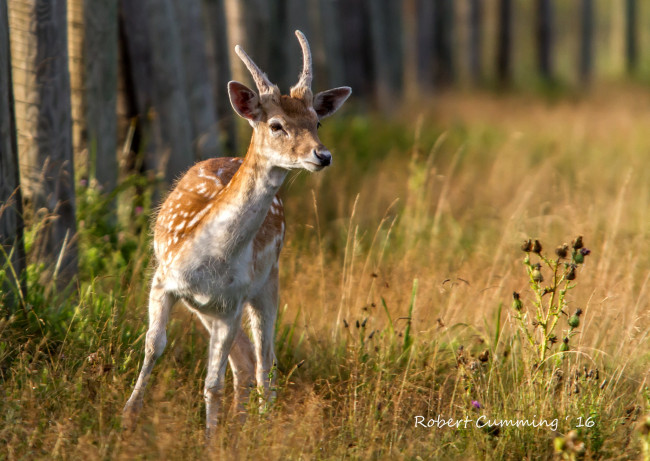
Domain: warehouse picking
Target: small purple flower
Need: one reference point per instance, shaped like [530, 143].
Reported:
[476, 404]
[138, 210]
[585, 251]
[83, 182]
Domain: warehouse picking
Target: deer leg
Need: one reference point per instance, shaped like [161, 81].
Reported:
[160, 304]
[223, 331]
[262, 310]
[242, 364]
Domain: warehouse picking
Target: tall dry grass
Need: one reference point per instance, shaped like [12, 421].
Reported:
[397, 277]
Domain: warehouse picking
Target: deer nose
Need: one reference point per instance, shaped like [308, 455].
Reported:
[324, 157]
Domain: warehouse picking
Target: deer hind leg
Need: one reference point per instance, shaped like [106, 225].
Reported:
[262, 311]
[223, 331]
[160, 304]
[242, 364]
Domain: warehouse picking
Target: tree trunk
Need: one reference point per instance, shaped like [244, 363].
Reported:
[219, 66]
[169, 87]
[47, 166]
[357, 51]
[475, 39]
[443, 36]
[100, 65]
[328, 28]
[426, 55]
[631, 36]
[198, 87]
[11, 205]
[545, 38]
[386, 29]
[586, 40]
[248, 26]
[504, 43]
[137, 75]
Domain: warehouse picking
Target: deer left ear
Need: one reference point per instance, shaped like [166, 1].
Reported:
[328, 102]
[245, 101]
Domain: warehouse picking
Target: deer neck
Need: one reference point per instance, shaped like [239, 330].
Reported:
[244, 203]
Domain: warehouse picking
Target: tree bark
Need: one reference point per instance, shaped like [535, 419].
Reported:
[170, 103]
[328, 28]
[11, 205]
[545, 38]
[475, 39]
[248, 26]
[586, 40]
[100, 65]
[386, 29]
[47, 165]
[219, 67]
[358, 51]
[198, 87]
[426, 54]
[504, 43]
[443, 36]
[631, 36]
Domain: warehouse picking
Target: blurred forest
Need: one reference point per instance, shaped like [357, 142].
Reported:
[94, 91]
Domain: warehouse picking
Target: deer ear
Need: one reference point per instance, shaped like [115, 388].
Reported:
[245, 101]
[328, 102]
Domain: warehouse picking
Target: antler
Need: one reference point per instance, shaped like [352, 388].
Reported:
[264, 85]
[306, 75]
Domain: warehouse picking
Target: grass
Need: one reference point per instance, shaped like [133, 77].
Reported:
[397, 281]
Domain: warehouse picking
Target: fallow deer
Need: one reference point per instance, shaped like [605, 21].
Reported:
[218, 235]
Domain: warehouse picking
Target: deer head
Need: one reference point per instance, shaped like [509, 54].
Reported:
[285, 127]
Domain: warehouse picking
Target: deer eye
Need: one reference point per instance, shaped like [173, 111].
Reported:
[276, 127]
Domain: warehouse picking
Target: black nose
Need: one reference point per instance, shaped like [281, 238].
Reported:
[324, 157]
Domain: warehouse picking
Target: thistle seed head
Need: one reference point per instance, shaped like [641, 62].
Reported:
[562, 251]
[577, 243]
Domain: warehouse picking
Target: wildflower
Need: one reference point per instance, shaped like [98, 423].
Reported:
[83, 182]
[138, 210]
[527, 246]
[578, 312]
[562, 250]
[574, 321]
[537, 247]
[578, 257]
[484, 356]
[476, 404]
[571, 275]
[516, 303]
[565, 345]
[577, 243]
[537, 274]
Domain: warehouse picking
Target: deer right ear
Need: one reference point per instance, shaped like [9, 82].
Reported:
[245, 101]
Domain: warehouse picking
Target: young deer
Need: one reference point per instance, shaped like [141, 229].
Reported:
[219, 233]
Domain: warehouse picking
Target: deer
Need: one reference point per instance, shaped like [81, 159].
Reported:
[219, 233]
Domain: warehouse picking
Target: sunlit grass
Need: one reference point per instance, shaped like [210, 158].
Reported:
[397, 278]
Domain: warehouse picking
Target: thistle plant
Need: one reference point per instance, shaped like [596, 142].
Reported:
[550, 280]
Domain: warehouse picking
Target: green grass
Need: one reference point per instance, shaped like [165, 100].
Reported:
[397, 281]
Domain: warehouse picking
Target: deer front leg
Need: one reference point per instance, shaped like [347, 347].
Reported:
[242, 364]
[262, 310]
[223, 331]
[160, 304]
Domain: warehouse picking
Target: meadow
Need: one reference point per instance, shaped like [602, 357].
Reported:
[396, 301]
